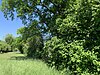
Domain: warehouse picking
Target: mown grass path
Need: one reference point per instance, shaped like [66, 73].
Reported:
[16, 64]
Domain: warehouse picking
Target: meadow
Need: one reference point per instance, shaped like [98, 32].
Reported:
[17, 64]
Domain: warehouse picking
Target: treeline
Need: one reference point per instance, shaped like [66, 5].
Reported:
[6, 45]
[63, 33]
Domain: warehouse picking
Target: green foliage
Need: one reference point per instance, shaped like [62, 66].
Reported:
[75, 23]
[81, 23]
[46, 12]
[71, 56]
[4, 47]
[9, 39]
[30, 40]
[18, 44]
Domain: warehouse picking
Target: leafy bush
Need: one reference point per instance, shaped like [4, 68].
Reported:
[71, 56]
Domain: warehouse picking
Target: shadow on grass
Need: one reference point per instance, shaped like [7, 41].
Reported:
[19, 58]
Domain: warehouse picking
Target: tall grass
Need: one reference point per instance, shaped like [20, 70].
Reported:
[26, 67]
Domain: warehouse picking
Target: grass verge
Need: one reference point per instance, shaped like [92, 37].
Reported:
[24, 67]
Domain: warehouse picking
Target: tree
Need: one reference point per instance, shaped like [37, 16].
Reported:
[31, 39]
[9, 39]
[28, 10]
[4, 47]
[18, 44]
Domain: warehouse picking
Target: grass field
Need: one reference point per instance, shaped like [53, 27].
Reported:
[17, 64]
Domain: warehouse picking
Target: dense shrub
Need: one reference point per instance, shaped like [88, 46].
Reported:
[33, 47]
[71, 56]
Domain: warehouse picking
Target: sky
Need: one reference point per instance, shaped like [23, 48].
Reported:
[8, 26]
